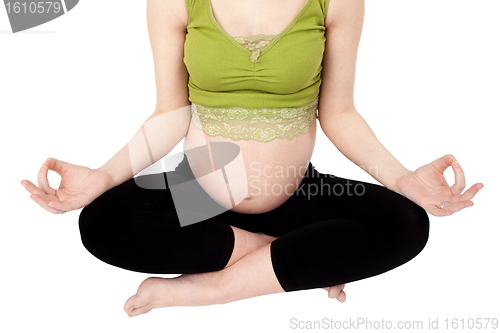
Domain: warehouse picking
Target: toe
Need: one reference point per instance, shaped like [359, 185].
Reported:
[135, 302]
[342, 297]
[142, 301]
[140, 310]
[334, 292]
[130, 304]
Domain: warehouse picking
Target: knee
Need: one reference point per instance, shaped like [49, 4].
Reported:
[88, 223]
[87, 219]
[103, 218]
[100, 223]
[414, 231]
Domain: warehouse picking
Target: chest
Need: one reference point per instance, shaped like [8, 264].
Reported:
[289, 63]
[249, 17]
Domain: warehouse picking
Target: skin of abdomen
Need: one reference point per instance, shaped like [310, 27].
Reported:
[272, 171]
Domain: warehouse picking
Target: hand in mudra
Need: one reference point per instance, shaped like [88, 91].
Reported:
[79, 186]
[428, 188]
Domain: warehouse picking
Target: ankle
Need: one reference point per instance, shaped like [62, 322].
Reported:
[221, 287]
[203, 289]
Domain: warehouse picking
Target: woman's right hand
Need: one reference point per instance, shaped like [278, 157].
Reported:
[78, 188]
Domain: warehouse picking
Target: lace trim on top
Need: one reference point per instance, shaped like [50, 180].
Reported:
[255, 43]
[264, 124]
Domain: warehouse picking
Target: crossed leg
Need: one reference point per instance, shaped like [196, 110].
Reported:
[249, 273]
[388, 231]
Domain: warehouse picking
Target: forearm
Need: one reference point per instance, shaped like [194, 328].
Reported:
[159, 134]
[354, 138]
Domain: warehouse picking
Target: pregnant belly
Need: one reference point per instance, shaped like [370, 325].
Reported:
[261, 178]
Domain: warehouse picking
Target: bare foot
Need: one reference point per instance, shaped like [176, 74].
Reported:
[185, 290]
[337, 292]
[197, 289]
[191, 289]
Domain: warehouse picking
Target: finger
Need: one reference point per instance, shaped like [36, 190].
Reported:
[455, 207]
[44, 204]
[30, 187]
[443, 162]
[436, 211]
[64, 206]
[43, 182]
[471, 192]
[55, 165]
[459, 185]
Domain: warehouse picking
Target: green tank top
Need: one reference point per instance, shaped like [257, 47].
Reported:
[223, 73]
[261, 87]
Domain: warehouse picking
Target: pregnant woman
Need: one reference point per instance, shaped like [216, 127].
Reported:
[256, 75]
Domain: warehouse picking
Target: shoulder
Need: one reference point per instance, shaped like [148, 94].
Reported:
[175, 11]
[340, 10]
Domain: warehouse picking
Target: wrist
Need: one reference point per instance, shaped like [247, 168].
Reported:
[396, 183]
[111, 181]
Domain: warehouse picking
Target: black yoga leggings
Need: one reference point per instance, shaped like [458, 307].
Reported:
[349, 230]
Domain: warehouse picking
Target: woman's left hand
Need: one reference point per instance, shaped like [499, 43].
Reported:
[428, 188]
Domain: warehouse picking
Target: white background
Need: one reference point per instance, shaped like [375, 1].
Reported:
[77, 89]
